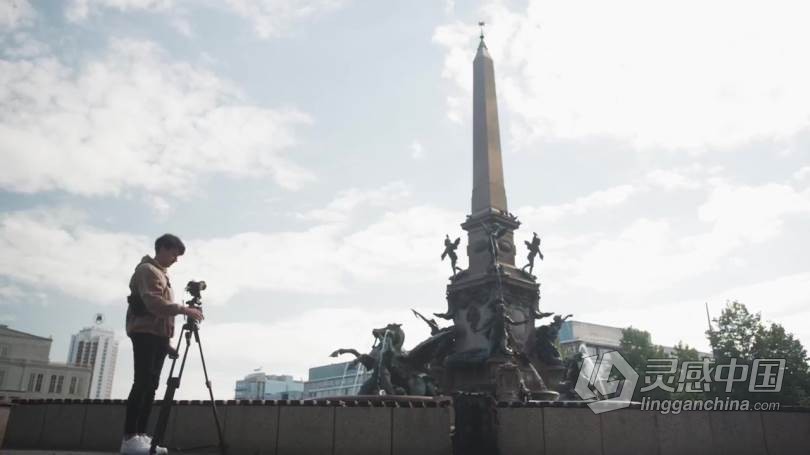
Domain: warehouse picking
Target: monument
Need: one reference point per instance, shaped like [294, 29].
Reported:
[493, 303]
[493, 347]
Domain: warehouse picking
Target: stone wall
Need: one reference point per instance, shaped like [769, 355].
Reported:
[353, 426]
[399, 426]
[539, 428]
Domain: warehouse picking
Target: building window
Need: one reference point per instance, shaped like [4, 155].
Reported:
[2, 377]
[38, 387]
[31, 380]
[79, 352]
[59, 383]
[3, 350]
[52, 385]
[72, 389]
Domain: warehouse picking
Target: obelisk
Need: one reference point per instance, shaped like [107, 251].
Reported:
[489, 193]
[492, 303]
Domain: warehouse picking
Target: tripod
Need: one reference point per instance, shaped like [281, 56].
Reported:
[173, 383]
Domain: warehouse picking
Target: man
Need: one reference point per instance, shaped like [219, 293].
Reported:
[150, 326]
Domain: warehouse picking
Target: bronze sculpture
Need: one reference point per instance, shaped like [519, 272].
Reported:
[498, 329]
[393, 371]
[450, 250]
[534, 250]
[546, 337]
[494, 233]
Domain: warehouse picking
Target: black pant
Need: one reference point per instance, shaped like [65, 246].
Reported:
[149, 352]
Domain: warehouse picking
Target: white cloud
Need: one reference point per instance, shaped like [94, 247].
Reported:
[79, 10]
[651, 255]
[402, 247]
[644, 257]
[15, 13]
[778, 299]
[183, 26]
[55, 249]
[598, 200]
[417, 150]
[650, 74]
[670, 179]
[271, 18]
[348, 200]
[160, 205]
[51, 249]
[135, 120]
[21, 44]
[449, 6]
[12, 294]
[802, 174]
[752, 213]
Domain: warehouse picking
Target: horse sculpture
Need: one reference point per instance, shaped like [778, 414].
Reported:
[392, 371]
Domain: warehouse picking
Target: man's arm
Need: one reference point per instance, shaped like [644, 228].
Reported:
[150, 286]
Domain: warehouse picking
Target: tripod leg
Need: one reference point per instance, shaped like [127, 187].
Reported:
[210, 394]
[172, 384]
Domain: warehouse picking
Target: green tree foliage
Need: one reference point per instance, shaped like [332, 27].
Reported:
[741, 335]
[683, 353]
[735, 333]
[637, 348]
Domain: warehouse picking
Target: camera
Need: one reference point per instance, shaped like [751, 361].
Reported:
[195, 288]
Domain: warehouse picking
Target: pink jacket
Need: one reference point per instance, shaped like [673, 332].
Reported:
[151, 283]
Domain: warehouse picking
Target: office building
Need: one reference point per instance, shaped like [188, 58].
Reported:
[597, 339]
[261, 386]
[336, 379]
[95, 348]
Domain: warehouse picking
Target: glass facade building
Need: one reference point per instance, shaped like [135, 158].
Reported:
[261, 386]
[336, 379]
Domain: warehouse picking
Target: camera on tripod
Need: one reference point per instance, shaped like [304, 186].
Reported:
[195, 288]
[190, 328]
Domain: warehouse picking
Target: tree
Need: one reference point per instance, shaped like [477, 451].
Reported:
[741, 337]
[637, 348]
[774, 343]
[735, 333]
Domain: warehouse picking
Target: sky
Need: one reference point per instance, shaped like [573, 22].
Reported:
[312, 154]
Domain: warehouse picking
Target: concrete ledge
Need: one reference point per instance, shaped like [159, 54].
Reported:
[421, 431]
[786, 433]
[404, 426]
[252, 430]
[520, 431]
[103, 426]
[574, 431]
[63, 427]
[25, 425]
[629, 431]
[737, 433]
[305, 430]
[194, 425]
[363, 431]
[685, 433]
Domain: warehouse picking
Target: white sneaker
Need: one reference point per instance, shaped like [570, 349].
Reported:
[134, 446]
[148, 441]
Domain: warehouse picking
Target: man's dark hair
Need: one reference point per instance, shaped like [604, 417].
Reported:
[169, 241]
